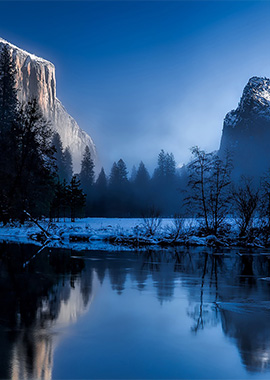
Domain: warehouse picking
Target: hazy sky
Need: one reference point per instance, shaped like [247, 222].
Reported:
[142, 76]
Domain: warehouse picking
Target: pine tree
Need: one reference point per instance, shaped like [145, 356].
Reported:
[170, 167]
[161, 170]
[100, 204]
[101, 182]
[164, 179]
[123, 172]
[114, 176]
[166, 168]
[8, 115]
[141, 189]
[87, 174]
[57, 202]
[8, 91]
[32, 182]
[76, 198]
[142, 177]
[119, 190]
[133, 174]
[119, 173]
[58, 154]
[61, 201]
[67, 165]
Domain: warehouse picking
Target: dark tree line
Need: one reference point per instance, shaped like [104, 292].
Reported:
[36, 172]
[36, 175]
[123, 195]
[32, 164]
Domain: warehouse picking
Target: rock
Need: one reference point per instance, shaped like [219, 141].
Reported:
[246, 130]
[36, 79]
[194, 240]
[212, 240]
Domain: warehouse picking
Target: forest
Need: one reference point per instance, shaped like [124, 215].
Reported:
[36, 173]
[37, 177]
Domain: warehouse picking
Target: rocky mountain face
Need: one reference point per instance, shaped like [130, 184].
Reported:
[36, 79]
[246, 130]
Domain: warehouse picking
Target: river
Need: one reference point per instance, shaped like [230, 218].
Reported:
[168, 314]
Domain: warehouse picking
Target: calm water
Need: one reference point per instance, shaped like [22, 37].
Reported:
[184, 314]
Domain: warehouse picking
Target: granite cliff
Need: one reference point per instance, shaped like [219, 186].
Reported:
[36, 79]
[246, 130]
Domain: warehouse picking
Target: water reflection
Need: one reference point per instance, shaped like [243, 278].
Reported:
[36, 303]
[228, 290]
[245, 314]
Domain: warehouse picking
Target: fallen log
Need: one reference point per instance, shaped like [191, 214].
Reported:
[46, 233]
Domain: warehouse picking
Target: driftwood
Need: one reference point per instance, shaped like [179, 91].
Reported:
[48, 237]
[47, 234]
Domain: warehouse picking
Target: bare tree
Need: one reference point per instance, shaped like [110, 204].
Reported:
[246, 199]
[151, 221]
[209, 180]
[199, 169]
[220, 196]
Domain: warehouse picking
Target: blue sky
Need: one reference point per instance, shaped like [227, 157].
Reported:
[142, 76]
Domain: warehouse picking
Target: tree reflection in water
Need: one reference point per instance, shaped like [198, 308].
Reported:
[50, 293]
[57, 288]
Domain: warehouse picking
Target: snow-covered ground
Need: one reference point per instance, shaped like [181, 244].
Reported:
[92, 233]
[122, 233]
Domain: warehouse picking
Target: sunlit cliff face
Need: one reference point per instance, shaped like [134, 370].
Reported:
[36, 79]
[33, 351]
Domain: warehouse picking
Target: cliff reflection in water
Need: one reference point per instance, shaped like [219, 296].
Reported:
[36, 303]
[57, 287]
[245, 314]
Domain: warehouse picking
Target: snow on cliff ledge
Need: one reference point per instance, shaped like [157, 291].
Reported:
[255, 101]
[36, 78]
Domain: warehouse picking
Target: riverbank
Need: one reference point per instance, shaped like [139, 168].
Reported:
[127, 233]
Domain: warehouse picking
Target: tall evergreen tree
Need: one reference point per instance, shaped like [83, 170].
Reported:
[57, 201]
[114, 176]
[119, 189]
[87, 174]
[67, 165]
[142, 177]
[161, 168]
[100, 204]
[101, 182]
[76, 198]
[133, 174]
[32, 184]
[8, 91]
[141, 190]
[8, 115]
[58, 154]
[166, 168]
[119, 173]
[164, 179]
[170, 167]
